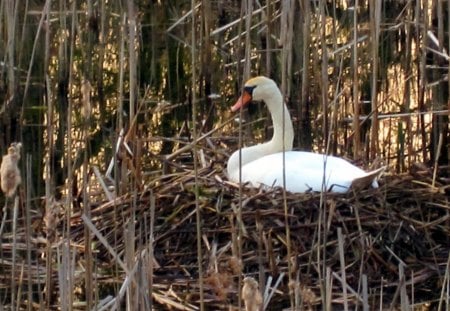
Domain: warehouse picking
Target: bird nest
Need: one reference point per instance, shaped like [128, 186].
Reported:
[384, 246]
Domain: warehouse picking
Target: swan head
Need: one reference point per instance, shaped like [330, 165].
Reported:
[257, 89]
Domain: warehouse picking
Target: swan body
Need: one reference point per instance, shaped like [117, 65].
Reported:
[262, 164]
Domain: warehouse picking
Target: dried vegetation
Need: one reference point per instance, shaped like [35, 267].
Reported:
[384, 246]
[112, 213]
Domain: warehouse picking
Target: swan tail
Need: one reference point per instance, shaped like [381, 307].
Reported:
[369, 179]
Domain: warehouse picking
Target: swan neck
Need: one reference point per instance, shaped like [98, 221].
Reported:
[278, 111]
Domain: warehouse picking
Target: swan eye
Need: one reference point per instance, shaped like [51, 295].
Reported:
[249, 89]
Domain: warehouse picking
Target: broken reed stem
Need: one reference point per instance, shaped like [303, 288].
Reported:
[365, 293]
[404, 301]
[342, 261]
[151, 249]
[129, 235]
[45, 14]
[328, 288]
[436, 160]
[28, 228]
[87, 211]
[5, 213]
[445, 291]
[14, 249]
[260, 242]
[198, 217]
[195, 141]
[48, 194]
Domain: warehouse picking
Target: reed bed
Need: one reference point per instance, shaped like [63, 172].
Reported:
[379, 248]
[156, 232]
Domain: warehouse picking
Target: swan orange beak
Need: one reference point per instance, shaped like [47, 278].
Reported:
[242, 101]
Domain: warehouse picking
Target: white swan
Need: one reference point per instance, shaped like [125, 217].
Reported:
[263, 164]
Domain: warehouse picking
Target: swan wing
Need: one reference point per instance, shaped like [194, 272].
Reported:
[305, 171]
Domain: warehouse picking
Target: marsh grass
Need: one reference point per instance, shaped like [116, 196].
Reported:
[125, 204]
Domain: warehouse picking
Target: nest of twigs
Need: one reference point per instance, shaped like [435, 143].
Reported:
[384, 246]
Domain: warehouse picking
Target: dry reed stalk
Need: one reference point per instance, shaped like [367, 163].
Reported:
[342, 261]
[19, 292]
[184, 17]
[422, 24]
[440, 101]
[89, 261]
[198, 212]
[23, 37]
[365, 293]
[322, 230]
[109, 195]
[69, 159]
[191, 145]
[407, 94]
[169, 303]
[303, 111]
[5, 214]
[247, 7]
[445, 291]
[10, 10]
[287, 22]
[120, 86]
[323, 72]
[2, 10]
[247, 10]
[206, 64]
[132, 26]
[151, 248]
[259, 230]
[114, 303]
[270, 290]
[103, 33]
[355, 86]
[28, 231]
[129, 235]
[48, 194]
[44, 16]
[268, 37]
[105, 243]
[328, 288]
[86, 111]
[357, 296]
[404, 301]
[448, 79]
[14, 302]
[65, 273]
[436, 159]
[375, 16]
